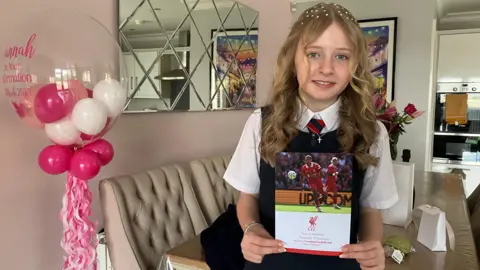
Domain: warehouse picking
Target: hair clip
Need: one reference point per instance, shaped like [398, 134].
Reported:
[340, 10]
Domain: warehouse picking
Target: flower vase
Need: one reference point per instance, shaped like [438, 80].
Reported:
[393, 145]
[393, 150]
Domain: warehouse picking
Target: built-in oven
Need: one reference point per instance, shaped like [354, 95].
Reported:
[457, 122]
[456, 142]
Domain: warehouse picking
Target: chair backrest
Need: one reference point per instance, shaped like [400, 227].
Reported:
[473, 204]
[147, 213]
[473, 201]
[214, 194]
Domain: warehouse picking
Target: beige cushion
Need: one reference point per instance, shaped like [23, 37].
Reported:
[147, 213]
[473, 203]
[208, 181]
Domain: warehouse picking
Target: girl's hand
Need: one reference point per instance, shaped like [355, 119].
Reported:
[369, 255]
[257, 243]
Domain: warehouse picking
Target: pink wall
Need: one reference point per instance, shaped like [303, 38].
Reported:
[30, 200]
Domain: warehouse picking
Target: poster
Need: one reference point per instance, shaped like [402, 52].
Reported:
[381, 39]
[313, 201]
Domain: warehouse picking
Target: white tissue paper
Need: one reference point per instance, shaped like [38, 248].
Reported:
[399, 214]
[432, 231]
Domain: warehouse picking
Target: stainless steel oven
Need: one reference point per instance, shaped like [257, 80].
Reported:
[457, 139]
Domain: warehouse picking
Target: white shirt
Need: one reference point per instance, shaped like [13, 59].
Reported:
[379, 189]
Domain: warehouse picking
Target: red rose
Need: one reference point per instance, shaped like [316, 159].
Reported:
[410, 109]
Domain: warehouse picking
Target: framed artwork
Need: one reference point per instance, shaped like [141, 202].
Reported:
[381, 35]
[235, 67]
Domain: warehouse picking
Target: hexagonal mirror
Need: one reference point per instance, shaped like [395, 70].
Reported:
[189, 55]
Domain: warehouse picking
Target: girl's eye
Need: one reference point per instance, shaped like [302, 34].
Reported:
[342, 57]
[312, 55]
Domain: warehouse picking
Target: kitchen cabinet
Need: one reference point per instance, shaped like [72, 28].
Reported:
[458, 56]
[136, 74]
[470, 174]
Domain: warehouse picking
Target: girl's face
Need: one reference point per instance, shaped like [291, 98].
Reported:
[323, 68]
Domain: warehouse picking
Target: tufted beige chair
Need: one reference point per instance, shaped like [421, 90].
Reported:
[147, 213]
[473, 202]
[208, 180]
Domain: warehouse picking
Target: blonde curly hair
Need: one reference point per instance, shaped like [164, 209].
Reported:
[357, 126]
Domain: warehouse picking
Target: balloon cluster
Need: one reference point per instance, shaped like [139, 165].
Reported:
[64, 74]
[74, 119]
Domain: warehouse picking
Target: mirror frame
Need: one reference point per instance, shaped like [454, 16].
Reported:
[167, 48]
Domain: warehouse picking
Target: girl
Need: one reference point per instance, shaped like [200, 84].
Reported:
[322, 72]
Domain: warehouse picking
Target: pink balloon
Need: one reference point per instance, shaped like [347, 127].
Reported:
[52, 104]
[103, 149]
[89, 93]
[55, 159]
[85, 164]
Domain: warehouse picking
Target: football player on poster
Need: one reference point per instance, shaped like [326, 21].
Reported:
[331, 182]
[312, 172]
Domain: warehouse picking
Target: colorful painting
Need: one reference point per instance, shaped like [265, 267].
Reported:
[233, 85]
[381, 39]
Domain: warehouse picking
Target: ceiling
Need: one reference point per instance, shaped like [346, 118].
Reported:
[458, 14]
[451, 14]
[455, 6]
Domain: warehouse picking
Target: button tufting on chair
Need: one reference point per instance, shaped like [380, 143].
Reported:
[147, 213]
[207, 178]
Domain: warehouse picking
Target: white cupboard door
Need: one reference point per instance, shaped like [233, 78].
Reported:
[101, 253]
[441, 168]
[130, 65]
[458, 58]
[146, 89]
[472, 180]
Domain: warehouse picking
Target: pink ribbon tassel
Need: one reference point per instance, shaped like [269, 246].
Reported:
[79, 233]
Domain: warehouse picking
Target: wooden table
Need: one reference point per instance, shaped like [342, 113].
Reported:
[188, 256]
[442, 190]
[446, 192]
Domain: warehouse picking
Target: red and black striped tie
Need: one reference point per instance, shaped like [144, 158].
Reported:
[315, 126]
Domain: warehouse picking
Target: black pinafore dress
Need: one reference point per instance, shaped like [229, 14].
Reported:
[294, 261]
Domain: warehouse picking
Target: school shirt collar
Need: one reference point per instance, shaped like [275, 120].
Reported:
[328, 115]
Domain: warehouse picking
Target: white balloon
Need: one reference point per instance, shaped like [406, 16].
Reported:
[89, 116]
[112, 93]
[62, 132]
